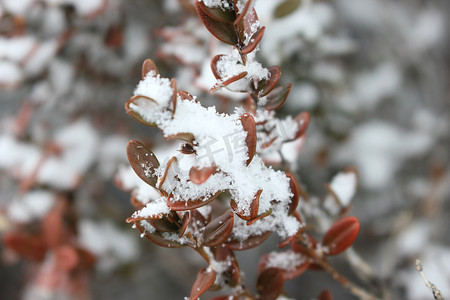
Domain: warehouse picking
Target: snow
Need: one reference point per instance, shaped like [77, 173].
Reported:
[10, 74]
[217, 3]
[156, 88]
[32, 206]
[16, 49]
[231, 65]
[287, 260]
[220, 140]
[343, 186]
[113, 247]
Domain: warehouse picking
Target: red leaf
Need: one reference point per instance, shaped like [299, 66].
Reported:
[66, 258]
[266, 86]
[218, 13]
[173, 85]
[259, 217]
[251, 242]
[143, 161]
[184, 224]
[254, 41]
[214, 68]
[221, 30]
[270, 284]
[245, 10]
[205, 279]
[157, 238]
[299, 247]
[147, 66]
[277, 97]
[248, 123]
[228, 81]
[296, 194]
[191, 203]
[164, 225]
[185, 96]
[182, 136]
[302, 120]
[141, 100]
[341, 235]
[231, 274]
[166, 183]
[325, 295]
[28, 246]
[199, 176]
[218, 230]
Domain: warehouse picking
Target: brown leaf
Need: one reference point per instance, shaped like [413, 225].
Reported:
[164, 225]
[266, 86]
[302, 248]
[157, 238]
[218, 13]
[302, 120]
[248, 123]
[190, 203]
[214, 68]
[260, 216]
[143, 162]
[139, 100]
[66, 257]
[185, 96]
[147, 66]
[28, 246]
[277, 97]
[184, 224]
[182, 136]
[223, 31]
[325, 295]
[218, 230]
[251, 242]
[231, 274]
[341, 235]
[166, 183]
[296, 193]
[173, 85]
[270, 284]
[245, 10]
[254, 41]
[205, 279]
[228, 81]
[200, 175]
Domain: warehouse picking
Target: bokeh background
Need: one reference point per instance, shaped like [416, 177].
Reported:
[372, 73]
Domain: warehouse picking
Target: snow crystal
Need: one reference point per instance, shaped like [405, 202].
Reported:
[154, 209]
[231, 65]
[216, 3]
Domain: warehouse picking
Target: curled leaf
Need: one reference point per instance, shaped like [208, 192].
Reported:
[205, 279]
[191, 203]
[295, 194]
[259, 217]
[254, 41]
[173, 86]
[185, 96]
[248, 123]
[214, 68]
[223, 31]
[302, 120]
[341, 235]
[141, 101]
[228, 81]
[182, 136]
[200, 175]
[166, 184]
[270, 284]
[277, 97]
[266, 86]
[218, 230]
[184, 224]
[147, 66]
[142, 161]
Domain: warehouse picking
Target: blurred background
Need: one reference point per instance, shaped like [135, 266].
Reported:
[372, 73]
